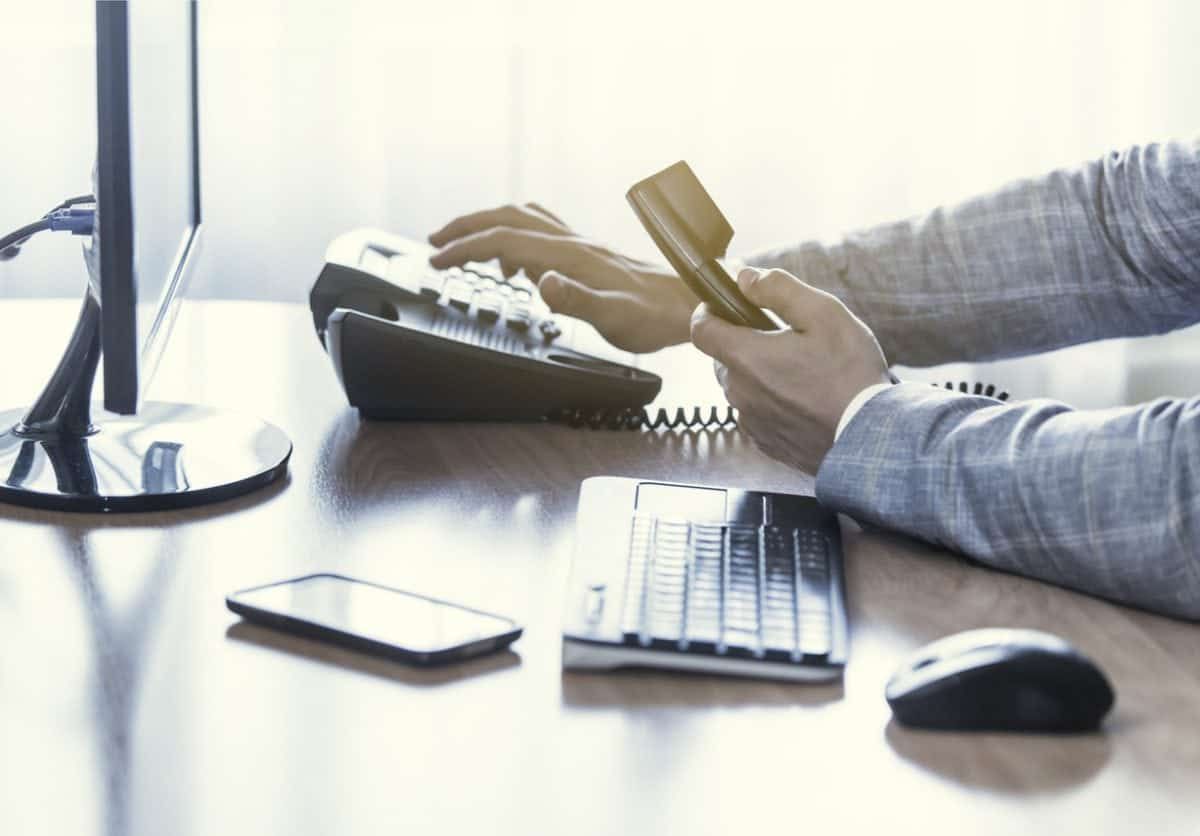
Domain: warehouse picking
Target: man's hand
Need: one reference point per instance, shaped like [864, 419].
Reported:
[791, 386]
[634, 305]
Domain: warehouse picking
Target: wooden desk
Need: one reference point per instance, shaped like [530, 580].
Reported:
[132, 701]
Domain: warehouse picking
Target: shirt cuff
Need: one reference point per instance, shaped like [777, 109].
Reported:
[856, 404]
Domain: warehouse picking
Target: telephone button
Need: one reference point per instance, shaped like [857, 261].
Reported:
[519, 317]
[431, 286]
[487, 307]
[459, 294]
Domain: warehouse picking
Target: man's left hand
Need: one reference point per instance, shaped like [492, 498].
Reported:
[791, 386]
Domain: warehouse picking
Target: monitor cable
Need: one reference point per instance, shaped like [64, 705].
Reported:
[67, 216]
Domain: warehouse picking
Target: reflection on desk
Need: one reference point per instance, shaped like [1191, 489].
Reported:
[134, 702]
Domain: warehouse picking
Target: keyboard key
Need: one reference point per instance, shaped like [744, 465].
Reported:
[734, 589]
[594, 605]
[634, 608]
[812, 594]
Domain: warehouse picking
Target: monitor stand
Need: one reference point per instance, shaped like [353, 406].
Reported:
[169, 455]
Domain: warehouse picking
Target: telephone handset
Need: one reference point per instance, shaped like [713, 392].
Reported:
[692, 234]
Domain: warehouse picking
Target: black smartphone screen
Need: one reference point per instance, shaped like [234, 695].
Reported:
[375, 618]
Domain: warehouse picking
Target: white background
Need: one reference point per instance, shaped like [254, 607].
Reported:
[805, 120]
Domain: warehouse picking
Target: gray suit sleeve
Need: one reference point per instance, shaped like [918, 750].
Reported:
[1109, 249]
[1103, 501]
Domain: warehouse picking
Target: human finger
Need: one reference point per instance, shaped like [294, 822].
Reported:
[799, 304]
[534, 252]
[722, 373]
[720, 339]
[613, 314]
[537, 207]
[516, 217]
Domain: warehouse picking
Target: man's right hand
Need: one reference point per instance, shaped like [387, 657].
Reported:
[636, 306]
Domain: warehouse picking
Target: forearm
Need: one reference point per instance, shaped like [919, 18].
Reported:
[1107, 502]
[1108, 249]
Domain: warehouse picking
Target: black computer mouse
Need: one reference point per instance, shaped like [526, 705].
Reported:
[1000, 680]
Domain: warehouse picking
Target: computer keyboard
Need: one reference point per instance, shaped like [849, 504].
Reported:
[728, 589]
[703, 578]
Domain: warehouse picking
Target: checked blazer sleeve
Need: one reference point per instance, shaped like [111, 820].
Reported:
[1110, 248]
[1103, 501]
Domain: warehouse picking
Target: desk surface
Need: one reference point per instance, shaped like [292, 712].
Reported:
[132, 701]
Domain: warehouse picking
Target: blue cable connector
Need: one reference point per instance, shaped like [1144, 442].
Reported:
[75, 221]
[68, 216]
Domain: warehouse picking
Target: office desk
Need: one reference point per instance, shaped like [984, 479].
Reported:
[133, 701]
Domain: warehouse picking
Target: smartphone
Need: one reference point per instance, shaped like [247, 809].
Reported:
[375, 619]
[692, 233]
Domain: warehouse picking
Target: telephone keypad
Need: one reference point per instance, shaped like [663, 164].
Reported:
[478, 298]
[484, 293]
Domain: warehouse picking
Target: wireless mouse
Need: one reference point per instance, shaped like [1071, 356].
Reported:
[1000, 680]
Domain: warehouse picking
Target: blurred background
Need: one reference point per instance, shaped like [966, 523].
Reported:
[805, 120]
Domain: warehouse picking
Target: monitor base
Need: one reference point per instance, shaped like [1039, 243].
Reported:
[167, 456]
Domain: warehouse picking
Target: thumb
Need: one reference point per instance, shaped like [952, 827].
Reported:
[800, 305]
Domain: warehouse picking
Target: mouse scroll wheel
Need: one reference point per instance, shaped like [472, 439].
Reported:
[924, 663]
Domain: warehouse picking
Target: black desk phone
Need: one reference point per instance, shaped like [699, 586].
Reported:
[411, 342]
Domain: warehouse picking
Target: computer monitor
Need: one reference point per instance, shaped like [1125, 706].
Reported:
[148, 161]
[141, 455]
